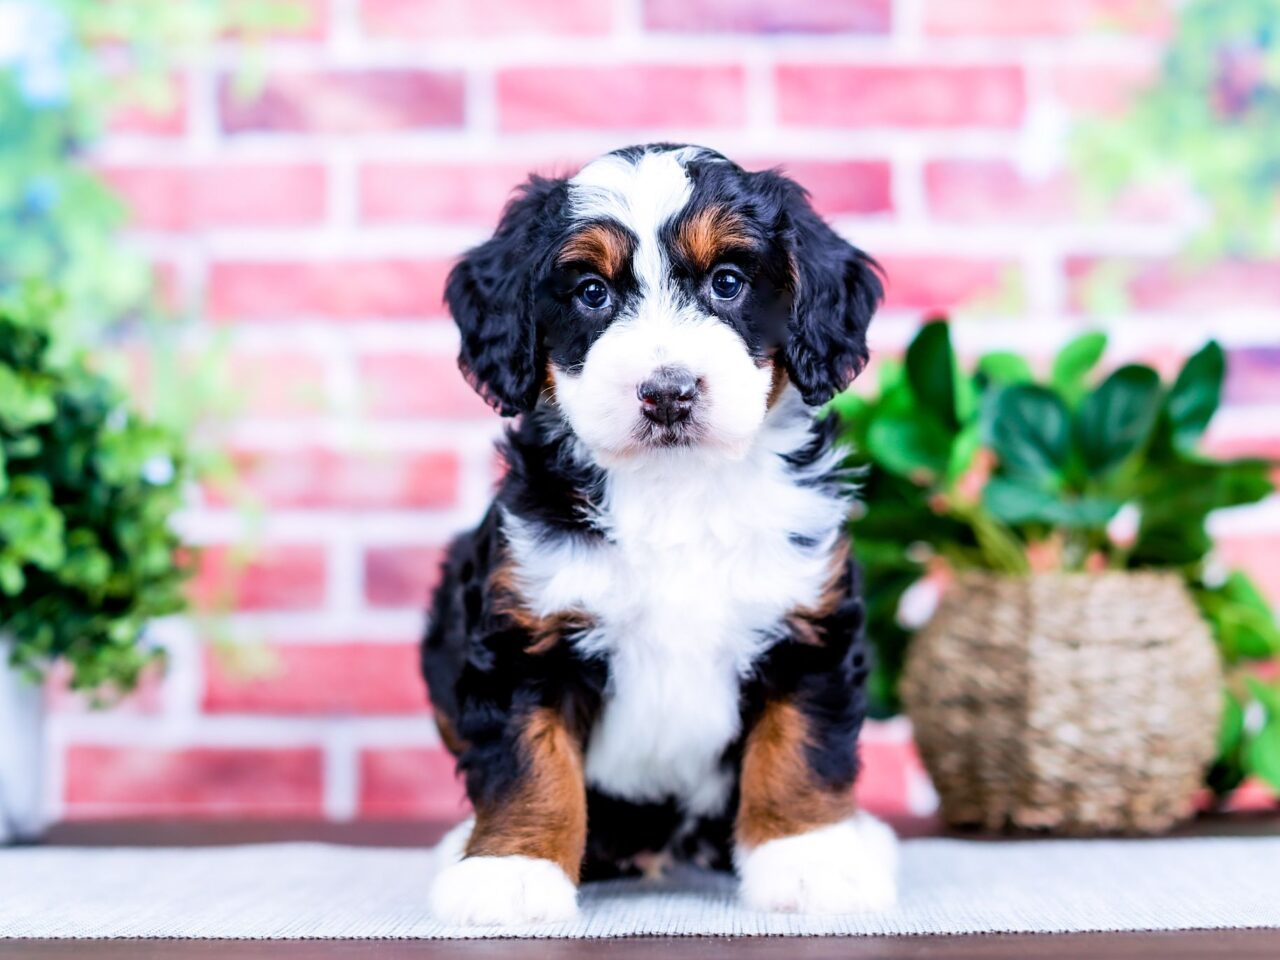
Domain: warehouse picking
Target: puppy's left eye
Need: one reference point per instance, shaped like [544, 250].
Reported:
[726, 284]
[593, 294]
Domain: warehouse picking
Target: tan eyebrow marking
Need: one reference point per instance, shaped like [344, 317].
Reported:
[605, 246]
[707, 234]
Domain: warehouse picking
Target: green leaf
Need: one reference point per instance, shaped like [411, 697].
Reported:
[1074, 363]
[931, 371]
[1115, 420]
[1240, 589]
[914, 447]
[1195, 395]
[1017, 503]
[1241, 482]
[963, 450]
[1243, 623]
[1263, 752]
[1030, 433]
[1269, 697]
[1086, 512]
[24, 447]
[11, 579]
[24, 400]
[1170, 544]
[892, 373]
[1175, 500]
[848, 406]
[1005, 369]
[1231, 730]
[1202, 486]
[967, 399]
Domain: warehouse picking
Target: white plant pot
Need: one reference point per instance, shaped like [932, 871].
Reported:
[22, 814]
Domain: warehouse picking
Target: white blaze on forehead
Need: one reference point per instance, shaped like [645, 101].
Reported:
[658, 327]
[600, 401]
[642, 195]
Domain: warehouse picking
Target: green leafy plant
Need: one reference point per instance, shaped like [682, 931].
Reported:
[66, 68]
[1210, 122]
[993, 468]
[76, 62]
[87, 490]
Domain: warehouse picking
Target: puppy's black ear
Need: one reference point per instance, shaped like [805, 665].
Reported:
[491, 296]
[835, 290]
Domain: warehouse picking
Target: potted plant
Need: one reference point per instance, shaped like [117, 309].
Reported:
[87, 553]
[1067, 680]
[86, 488]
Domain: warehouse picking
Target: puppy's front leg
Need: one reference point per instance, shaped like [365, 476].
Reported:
[800, 844]
[521, 862]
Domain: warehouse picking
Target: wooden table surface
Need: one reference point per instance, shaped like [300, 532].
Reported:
[1192, 945]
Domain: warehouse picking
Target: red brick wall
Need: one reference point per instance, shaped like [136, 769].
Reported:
[314, 224]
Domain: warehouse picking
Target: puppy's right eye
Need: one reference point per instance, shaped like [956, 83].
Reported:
[726, 284]
[593, 295]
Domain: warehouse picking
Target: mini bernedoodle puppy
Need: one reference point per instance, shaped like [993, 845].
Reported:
[652, 647]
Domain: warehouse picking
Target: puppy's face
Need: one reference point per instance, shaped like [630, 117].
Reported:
[663, 297]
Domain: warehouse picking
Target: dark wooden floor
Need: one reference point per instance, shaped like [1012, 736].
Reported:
[1200, 945]
[1194, 945]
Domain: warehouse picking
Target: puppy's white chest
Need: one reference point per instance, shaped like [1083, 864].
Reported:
[698, 569]
[677, 641]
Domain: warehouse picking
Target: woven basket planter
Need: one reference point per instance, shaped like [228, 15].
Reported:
[1071, 703]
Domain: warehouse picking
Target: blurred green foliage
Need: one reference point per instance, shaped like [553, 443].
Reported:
[87, 490]
[1212, 120]
[86, 487]
[79, 61]
[993, 468]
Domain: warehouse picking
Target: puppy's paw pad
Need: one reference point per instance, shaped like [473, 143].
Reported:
[502, 891]
[848, 867]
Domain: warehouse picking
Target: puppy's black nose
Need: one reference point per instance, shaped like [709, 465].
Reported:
[668, 396]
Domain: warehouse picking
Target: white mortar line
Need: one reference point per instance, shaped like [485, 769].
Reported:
[341, 774]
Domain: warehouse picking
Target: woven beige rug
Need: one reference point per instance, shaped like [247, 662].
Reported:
[292, 891]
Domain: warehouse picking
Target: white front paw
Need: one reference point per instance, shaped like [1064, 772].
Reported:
[848, 867]
[502, 891]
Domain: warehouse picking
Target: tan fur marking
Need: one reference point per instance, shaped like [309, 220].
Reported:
[780, 797]
[802, 619]
[546, 817]
[448, 734]
[549, 382]
[833, 591]
[544, 631]
[603, 246]
[780, 381]
[705, 237]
